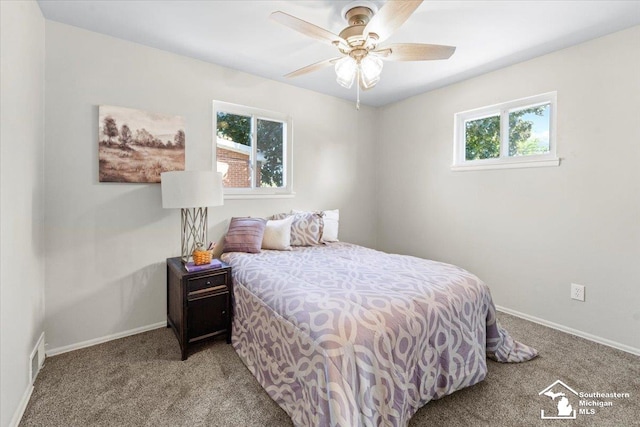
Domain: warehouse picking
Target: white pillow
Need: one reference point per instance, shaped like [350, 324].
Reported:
[331, 222]
[277, 234]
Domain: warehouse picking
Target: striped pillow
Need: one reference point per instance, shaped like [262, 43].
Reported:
[245, 235]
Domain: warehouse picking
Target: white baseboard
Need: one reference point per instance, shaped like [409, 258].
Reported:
[95, 341]
[17, 416]
[581, 334]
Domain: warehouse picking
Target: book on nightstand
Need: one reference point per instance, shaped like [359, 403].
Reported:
[191, 267]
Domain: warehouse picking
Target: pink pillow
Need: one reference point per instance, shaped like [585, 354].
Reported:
[245, 235]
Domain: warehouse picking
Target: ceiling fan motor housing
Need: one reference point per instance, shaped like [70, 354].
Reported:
[358, 15]
[353, 35]
[349, 9]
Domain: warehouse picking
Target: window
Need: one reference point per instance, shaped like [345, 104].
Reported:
[514, 134]
[253, 151]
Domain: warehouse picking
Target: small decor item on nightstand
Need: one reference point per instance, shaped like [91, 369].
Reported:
[191, 267]
[202, 258]
[201, 255]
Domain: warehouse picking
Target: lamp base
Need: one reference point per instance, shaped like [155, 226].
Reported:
[194, 225]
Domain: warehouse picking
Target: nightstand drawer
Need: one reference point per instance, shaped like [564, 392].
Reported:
[202, 283]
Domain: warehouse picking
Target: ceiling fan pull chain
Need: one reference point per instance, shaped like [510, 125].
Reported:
[358, 89]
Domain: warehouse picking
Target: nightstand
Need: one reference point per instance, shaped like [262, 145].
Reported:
[198, 303]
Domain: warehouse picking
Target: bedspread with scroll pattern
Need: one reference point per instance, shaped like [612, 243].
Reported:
[342, 335]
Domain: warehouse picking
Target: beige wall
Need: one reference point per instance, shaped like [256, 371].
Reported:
[21, 200]
[106, 243]
[529, 233]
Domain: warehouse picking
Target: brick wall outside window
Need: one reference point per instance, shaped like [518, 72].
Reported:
[239, 173]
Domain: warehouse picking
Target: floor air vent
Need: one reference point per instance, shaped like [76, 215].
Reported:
[37, 359]
[35, 365]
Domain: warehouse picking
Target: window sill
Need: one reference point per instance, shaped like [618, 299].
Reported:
[512, 164]
[259, 196]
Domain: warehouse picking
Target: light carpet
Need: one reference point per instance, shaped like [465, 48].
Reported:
[140, 381]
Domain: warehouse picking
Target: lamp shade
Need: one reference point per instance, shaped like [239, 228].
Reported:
[191, 189]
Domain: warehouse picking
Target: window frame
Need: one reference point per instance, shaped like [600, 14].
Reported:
[287, 167]
[504, 161]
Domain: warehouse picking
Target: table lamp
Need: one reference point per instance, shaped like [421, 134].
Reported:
[192, 192]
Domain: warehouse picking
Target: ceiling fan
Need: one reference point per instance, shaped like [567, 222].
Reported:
[361, 56]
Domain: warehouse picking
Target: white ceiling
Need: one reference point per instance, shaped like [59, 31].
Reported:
[239, 34]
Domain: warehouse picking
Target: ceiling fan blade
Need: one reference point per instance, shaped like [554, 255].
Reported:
[307, 28]
[313, 67]
[390, 17]
[415, 52]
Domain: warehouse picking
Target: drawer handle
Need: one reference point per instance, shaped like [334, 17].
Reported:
[224, 312]
[208, 290]
[208, 283]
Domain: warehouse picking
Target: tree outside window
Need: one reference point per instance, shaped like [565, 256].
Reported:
[251, 148]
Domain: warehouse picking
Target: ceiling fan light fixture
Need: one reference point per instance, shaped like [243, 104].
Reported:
[346, 69]
[361, 60]
[370, 69]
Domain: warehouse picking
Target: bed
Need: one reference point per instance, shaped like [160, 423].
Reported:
[342, 335]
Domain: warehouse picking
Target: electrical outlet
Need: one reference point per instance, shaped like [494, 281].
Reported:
[577, 292]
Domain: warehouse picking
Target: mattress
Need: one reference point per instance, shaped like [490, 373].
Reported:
[342, 335]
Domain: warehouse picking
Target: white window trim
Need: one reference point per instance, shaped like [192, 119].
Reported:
[287, 173]
[504, 161]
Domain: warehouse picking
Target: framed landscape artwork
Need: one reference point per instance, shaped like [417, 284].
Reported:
[137, 146]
